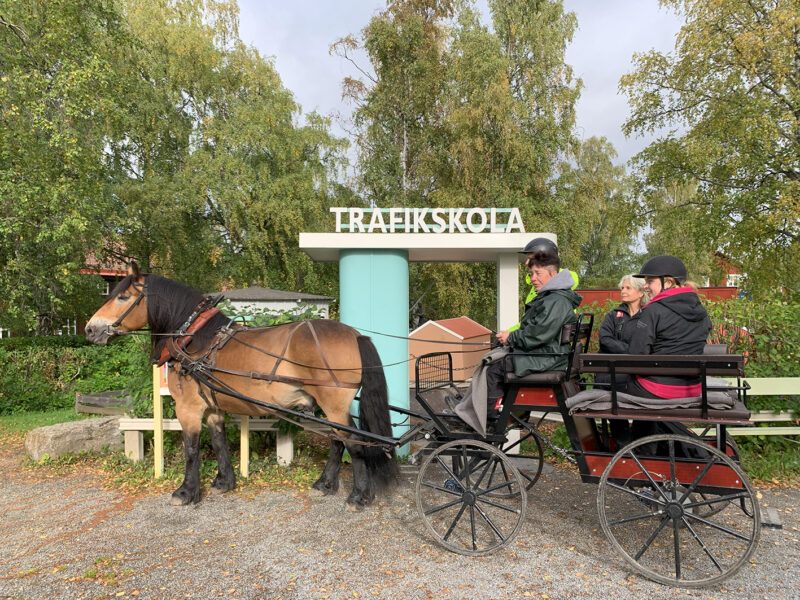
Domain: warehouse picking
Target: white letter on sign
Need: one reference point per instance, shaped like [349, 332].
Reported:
[481, 214]
[376, 220]
[441, 224]
[338, 210]
[357, 219]
[455, 220]
[515, 221]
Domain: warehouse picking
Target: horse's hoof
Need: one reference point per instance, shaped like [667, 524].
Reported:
[182, 498]
[326, 489]
[219, 487]
[354, 506]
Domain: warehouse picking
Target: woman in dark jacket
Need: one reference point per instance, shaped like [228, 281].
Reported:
[673, 322]
[618, 325]
[616, 330]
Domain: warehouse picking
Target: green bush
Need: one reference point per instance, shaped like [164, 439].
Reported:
[768, 334]
[44, 373]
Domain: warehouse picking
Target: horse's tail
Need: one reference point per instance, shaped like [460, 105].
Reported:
[374, 416]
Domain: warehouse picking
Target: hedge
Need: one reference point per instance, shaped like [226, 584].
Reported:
[768, 334]
[44, 373]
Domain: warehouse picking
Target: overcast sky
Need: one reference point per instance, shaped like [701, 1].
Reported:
[298, 33]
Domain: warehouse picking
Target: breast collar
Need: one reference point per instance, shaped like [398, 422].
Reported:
[201, 315]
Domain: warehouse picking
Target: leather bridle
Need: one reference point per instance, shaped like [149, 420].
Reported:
[142, 287]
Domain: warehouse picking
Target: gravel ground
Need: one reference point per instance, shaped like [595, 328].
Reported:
[67, 537]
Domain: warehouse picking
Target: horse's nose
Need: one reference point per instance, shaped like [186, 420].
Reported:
[90, 331]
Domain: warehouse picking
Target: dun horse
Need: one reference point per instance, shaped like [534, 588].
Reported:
[298, 366]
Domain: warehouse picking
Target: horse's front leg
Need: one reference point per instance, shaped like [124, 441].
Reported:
[328, 482]
[189, 409]
[225, 479]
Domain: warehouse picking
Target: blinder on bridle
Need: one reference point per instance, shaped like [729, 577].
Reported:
[142, 287]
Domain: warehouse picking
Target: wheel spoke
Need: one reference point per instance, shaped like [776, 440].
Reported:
[472, 527]
[702, 545]
[498, 505]
[489, 522]
[466, 468]
[633, 492]
[634, 518]
[449, 471]
[722, 528]
[650, 477]
[697, 479]
[455, 522]
[494, 488]
[673, 491]
[437, 487]
[717, 500]
[436, 509]
[652, 538]
[676, 537]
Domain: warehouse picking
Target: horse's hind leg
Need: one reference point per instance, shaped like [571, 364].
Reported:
[225, 479]
[328, 483]
[363, 492]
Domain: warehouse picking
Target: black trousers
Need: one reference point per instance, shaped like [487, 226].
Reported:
[495, 381]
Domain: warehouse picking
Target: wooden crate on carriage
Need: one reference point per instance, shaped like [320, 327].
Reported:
[458, 336]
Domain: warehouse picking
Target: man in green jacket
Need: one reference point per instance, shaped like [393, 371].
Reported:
[539, 334]
[540, 246]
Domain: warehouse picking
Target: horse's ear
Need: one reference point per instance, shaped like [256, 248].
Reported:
[133, 268]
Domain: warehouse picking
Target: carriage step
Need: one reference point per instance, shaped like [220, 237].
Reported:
[771, 518]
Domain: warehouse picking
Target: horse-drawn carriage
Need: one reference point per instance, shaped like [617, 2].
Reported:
[677, 507]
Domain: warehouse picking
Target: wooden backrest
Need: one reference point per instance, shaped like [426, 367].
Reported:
[694, 365]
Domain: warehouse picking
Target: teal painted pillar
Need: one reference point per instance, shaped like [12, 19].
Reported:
[373, 295]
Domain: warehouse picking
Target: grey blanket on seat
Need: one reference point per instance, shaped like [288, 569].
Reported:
[600, 400]
[472, 408]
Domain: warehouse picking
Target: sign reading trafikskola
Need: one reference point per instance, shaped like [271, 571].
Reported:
[427, 220]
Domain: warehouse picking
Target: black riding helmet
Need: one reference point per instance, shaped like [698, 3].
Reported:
[664, 266]
[540, 245]
[542, 250]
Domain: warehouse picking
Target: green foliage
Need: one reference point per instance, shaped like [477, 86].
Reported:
[767, 333]
[728, 99]
[262, 317]
[148, 129]
[46, 373]
[24, 422]
[770, 458]
[593, 188]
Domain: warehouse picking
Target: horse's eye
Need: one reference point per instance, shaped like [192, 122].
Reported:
[123, 297]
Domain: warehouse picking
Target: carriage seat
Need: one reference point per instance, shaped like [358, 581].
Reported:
[687, 410]
[722, 401]
[543, 378]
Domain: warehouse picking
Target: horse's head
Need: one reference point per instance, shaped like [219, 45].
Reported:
[124, 311]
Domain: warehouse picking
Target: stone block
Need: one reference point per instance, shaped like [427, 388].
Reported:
[74, 437]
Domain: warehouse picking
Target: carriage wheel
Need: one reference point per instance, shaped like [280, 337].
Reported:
[529, 459]
[456, 502]
[658, 521]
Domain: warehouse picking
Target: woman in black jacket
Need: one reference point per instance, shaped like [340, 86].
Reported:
[617, 330]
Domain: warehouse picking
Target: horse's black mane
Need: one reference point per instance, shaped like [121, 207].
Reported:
[169, 304]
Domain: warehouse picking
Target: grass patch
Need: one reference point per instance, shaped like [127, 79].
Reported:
[24, 422]
[120, 473]
[774, 461]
